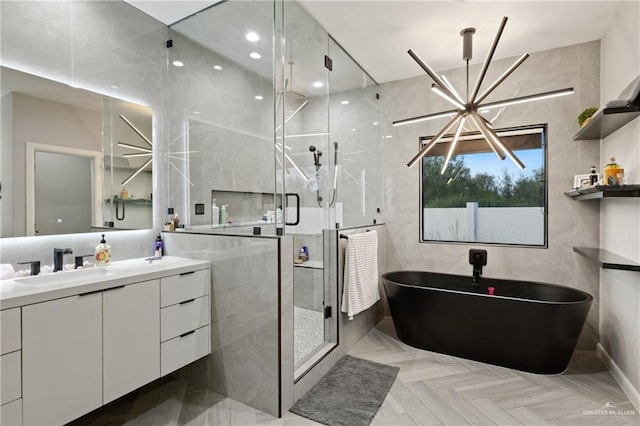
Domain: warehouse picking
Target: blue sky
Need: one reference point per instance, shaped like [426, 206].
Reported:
[490, 163]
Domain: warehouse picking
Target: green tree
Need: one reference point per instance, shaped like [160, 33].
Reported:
[457, 187]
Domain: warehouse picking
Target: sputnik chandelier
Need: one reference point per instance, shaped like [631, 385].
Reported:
[469, 109]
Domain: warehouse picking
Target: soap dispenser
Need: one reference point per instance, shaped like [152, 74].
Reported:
[159, 247]
[103, 253]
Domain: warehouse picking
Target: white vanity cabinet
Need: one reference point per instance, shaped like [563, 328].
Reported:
[184, 319]
[131, 332]
[61, 359]
[84, 351]
[68, 349]
[10, 368]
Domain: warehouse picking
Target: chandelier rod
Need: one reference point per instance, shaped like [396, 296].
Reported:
[488, 59]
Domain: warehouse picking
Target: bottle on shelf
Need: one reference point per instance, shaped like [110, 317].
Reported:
[224, 218]
[593, 177]
[215, 213]
[169, 225]
[611, 171]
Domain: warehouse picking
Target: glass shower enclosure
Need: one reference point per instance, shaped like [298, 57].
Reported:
[280, 125]
[327, 154]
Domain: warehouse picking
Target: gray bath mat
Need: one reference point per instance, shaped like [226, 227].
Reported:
[350, 394]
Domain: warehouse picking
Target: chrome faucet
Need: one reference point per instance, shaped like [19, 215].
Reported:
[477, 258]
[58, 258]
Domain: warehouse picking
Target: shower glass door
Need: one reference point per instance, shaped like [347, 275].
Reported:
[306, 161]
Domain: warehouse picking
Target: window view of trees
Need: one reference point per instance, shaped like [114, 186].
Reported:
[460, 185]
[481, 199]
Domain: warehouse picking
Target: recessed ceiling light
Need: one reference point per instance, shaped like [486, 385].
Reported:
[252, 36]
[217, 67]
[375, 123]
[259, 97]
[115, 87]
[178, 63]
[345, 102]
[196, 112]
[255, 55]
[318, 84]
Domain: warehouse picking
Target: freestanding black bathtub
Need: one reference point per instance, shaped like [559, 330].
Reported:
[526, 326]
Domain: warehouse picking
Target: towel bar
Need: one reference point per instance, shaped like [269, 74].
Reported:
[346, 237]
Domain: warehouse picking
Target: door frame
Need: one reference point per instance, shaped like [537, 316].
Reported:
[96, 180]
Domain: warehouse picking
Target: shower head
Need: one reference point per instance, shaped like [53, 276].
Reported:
[312, 148]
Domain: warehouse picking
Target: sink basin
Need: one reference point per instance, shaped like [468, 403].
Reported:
[77, 276]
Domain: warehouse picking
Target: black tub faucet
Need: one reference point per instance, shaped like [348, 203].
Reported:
[477, 258]
[58, 258]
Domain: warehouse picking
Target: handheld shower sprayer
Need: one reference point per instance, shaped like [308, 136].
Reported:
[316, 155]
[316, 162]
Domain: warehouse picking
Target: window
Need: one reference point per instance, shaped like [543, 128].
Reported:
[482, 199]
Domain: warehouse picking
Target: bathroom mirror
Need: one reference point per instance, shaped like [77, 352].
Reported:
[50, 133]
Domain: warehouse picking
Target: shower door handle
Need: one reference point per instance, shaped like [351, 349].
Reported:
[286, 204]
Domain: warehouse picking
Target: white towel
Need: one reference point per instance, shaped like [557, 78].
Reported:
[6, 271]
[360, 289]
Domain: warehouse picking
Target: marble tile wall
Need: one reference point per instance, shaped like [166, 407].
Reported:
[570, 223]
[308, 288]
[95, 46]
[245, 359]
[620, 219]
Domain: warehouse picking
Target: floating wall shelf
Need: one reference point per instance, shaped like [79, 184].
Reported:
[607, 260]
[601, 191]
[607, 121]
[131, 201]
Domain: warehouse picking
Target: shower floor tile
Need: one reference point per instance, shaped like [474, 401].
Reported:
[308, 332]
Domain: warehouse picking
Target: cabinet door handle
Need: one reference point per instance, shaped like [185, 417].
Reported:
[187, 273]
[90, 292]
[187, 301]
[187, 333]
[101, 291]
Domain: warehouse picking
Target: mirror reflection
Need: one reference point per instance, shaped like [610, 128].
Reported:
[72, 160]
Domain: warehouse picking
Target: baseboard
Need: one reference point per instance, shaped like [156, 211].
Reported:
[616, 372]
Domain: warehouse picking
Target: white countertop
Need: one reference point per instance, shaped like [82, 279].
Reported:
[27, 290]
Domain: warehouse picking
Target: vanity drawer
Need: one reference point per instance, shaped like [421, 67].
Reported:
[182, 350]
[10, 378]
[11, 413]
[190, 285]
[10, 330]
[184, 316]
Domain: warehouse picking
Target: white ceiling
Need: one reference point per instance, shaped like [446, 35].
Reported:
[377, 34]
